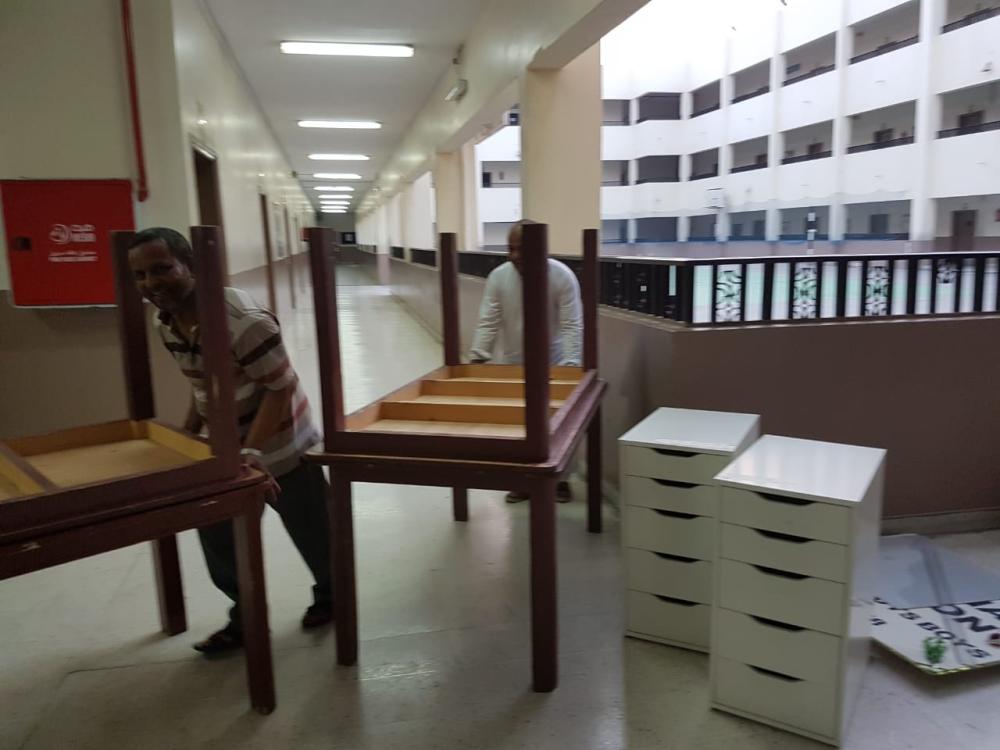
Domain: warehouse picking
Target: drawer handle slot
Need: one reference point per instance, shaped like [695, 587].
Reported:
[678, 558]
[776, 624]
[674, 514]
[679, 485]
[784, 499]
[675, 453]
[780, 573]
[772, 673]
[672, 600]
[783, 537]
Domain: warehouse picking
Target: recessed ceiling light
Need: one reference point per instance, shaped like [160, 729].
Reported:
[341, 124]
[333, 210]
[342, 48]
[336, 176]
[335, 203]
[334, 188]
[338, 157]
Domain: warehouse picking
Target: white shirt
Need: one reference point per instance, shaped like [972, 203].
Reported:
[501, 313]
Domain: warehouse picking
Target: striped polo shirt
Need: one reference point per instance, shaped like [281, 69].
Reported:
[260, 363]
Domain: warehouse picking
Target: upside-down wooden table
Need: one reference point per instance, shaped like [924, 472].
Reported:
[466, 426]
[82, 491]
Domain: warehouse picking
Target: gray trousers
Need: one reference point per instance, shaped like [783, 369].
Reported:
[302, 507]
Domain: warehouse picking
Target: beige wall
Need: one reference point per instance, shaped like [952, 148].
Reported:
[924, 390]
[64, 114]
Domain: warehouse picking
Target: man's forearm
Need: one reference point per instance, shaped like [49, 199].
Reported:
[275, 408]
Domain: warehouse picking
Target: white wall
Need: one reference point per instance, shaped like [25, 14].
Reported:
[212, 88]
[900, 118]
[881, 174]
[503, 173]
[858, 10]
[806, 20]
[967, 56]
[956, 103]
[503, 145]
[809, 101]
[499, 204]
[900, 23]
[985, 206]
[751, 118]
[799, 140]
[883, 80]
[418, 212]
[858, 215]
[966, 165]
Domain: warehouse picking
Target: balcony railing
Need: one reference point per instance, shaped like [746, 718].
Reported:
[748, 167]
[786, 289]
[644, 180]
[969, 129]
[894, 236]
[705, 110]
[885, 49]
[806, 157]
[704, 175]
[880, 144]
[614, 183]
[974, 17]
[751, 94]
[811, 74]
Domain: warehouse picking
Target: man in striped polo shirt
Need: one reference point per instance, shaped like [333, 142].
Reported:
[275, 423]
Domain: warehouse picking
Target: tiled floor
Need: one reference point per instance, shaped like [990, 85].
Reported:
[444, 626]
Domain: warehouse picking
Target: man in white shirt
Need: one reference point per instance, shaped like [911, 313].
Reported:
[501, 316]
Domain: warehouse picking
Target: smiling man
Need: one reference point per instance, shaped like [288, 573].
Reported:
[275, 423]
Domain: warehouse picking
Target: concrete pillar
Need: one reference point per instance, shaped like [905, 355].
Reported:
[561, 150]
[841, 127]
[683, 228]
[449, 194]
[772, 224]
[923, 210]
[471, 227]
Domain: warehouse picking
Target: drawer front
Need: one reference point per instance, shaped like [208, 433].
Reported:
[670, 532]
[791, 650]
[665, 463]
[806, 705]
[773, 549]
[789, 515]
[807, 602]
[670, 619]
[680, 577]
[666, 494]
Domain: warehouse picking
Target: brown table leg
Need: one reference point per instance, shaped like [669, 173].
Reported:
[460, 503]
[594, 472]
[544, 623]
[345, 605]
[169, 587]
[253, 610]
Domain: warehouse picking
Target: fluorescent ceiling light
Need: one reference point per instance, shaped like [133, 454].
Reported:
[334, 188]
[341, 124]
[338, 157]
[342, 48]
[336, 176]
[334, 205]
[333, 211]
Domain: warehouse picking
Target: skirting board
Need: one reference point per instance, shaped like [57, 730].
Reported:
[943, 523]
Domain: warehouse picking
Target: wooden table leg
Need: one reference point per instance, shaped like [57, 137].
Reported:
[253, 610]
[594, 473]
[169, 587]
[345, 605]
[460, 503]
[544, 623]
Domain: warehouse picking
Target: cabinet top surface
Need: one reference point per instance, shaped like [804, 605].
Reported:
[716, 432]
[809, 469]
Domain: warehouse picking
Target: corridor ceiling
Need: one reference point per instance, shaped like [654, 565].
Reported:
[290, 88]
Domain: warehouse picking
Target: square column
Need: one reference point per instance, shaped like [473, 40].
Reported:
[449, 195]
[561, 149]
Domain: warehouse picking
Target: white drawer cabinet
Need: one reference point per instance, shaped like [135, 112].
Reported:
[794, 583]
[670, 506]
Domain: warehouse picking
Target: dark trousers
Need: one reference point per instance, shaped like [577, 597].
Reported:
[302, 507]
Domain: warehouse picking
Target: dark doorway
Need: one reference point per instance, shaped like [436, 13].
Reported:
[963, 231]
[878, 224]
[272, 298]
[206, 179]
